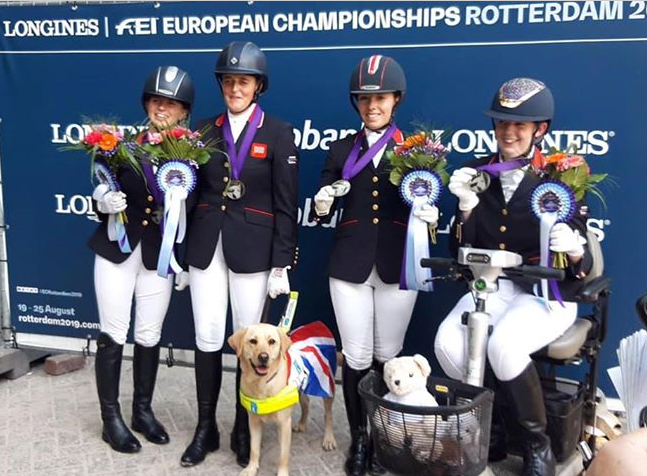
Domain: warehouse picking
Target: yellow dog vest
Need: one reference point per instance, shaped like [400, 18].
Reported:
[285, 398]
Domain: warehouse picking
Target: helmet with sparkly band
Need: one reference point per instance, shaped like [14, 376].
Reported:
[522, 99]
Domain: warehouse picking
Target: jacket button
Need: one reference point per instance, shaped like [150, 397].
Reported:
[223, 207]
[376, 221]
[147, 211]
[224, 194]
[375, 178]
[502, 246]
[502, 228]
[225, 179]
[144, 222]
[375, 193]
[504, 212]
[226, 164]
[375, 206]
[150, 198]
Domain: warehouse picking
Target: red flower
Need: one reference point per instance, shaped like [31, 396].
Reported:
[93, 138]
[179, 132]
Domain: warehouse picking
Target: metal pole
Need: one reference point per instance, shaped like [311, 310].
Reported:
[5, 313]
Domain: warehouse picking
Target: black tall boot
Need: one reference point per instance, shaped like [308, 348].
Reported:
[356, 413]
[498, 449]
[239, 442]
[373, 466]
[145, 365]
[526, 397]
[208, 377]
[107, 366]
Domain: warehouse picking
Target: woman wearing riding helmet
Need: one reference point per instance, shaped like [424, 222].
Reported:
[372, 313]
[242, 233]
[500, 218]
[167, 98]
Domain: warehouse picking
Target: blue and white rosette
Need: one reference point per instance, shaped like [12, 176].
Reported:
[417, 188]
[176, 178]
[552, 201]
[116, 228]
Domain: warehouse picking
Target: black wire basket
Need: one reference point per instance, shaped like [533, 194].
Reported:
[448, 440]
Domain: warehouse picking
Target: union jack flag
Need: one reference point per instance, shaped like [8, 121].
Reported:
[313, 359]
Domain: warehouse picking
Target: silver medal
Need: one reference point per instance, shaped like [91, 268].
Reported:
[235, 189]
[341, 187]
[480, 182]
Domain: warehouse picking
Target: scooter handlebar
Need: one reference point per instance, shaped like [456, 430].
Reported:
[439, 264]
[540, 272]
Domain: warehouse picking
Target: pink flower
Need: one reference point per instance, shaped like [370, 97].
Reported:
[93, 138]
[570, 162]
[154, 138]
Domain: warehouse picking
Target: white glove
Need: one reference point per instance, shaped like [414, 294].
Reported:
[566, 240]
[323, 200]
[459, 186]
[181, 280]
[278, 282]
[428, 213]
[108, 201]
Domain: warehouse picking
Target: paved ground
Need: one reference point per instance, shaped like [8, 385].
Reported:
[50, 426]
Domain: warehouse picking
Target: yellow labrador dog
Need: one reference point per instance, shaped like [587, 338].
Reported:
[262, 350]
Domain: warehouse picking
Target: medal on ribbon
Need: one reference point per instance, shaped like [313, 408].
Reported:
[235, 187]
[552, 201]
[176, 179]
[355, 163]
[116, 222]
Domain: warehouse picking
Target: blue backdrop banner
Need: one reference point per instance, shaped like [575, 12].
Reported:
[60, 65]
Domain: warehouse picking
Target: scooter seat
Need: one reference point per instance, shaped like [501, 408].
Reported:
[568, 344]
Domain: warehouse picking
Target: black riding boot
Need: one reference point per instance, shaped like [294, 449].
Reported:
[108, 372]
[373, 466]
[145, 364]
[526, 397]
[356, 413]
[498, 449]
[208, 376]
[239, 442]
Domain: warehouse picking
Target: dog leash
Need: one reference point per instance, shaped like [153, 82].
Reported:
[285, 323]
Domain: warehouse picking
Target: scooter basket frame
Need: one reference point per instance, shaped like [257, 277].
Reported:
[449, 440]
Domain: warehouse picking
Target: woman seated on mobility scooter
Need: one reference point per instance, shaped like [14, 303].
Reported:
[500, 218]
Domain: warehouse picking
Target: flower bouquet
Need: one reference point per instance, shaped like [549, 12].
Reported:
[419, 170]
[111, 147]
[175, 153]
[565, 178]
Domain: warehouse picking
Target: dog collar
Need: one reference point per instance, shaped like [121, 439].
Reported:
[285, 398]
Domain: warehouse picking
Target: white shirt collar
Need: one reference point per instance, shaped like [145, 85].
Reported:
[238, 121]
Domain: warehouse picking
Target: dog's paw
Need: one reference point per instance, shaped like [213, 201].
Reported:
[250, 470]
[299, 427]
[282, 472]
[329, 443]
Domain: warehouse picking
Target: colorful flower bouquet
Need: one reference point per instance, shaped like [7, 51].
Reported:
[565, 179]
[419, 170]
[569, 168]
[177, 143]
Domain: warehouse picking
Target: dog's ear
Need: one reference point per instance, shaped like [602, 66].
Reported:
[423, 363]
[286, 342]
[235, 340]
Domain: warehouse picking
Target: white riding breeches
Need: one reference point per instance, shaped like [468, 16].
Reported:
[115, 285]
[522, 324]
[211, 289]
[372, 318]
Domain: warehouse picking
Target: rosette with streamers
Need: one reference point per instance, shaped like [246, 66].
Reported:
[552, 201]
[116, 222]
[417, 188]
[176, 178]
